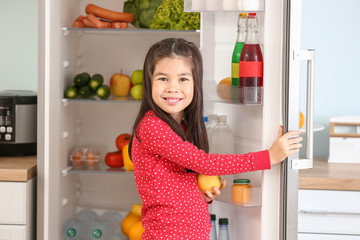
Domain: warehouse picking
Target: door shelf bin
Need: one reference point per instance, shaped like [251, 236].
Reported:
[227, 94]
[224, 5]
[254, 201]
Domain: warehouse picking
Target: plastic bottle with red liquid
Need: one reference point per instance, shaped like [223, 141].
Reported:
[251, 66]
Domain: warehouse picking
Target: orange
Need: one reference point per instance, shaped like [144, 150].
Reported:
[136, 209]
[136, 231]
[224, 88]
[301, 120]
[128, 222]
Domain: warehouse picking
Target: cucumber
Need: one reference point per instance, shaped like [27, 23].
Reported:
[85, 92]
[71, 92]
[81, 79]
[96, 81]
[103, 92]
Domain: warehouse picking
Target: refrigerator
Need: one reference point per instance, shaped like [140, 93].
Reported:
[64, 124]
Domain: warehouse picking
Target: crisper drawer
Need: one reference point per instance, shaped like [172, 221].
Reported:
[329, 212]
[13, 202]
[12, 232]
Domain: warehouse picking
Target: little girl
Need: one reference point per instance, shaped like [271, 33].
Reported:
[170, 147]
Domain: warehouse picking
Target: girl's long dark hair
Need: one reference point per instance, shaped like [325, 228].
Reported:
[195, 131]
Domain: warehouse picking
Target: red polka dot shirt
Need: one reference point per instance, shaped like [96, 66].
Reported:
[173, 206]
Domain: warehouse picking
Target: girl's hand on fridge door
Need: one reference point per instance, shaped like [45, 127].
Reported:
[284, 146]
[209, 197]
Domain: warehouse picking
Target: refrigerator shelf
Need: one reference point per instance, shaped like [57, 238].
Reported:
[255, 200]
[101, 168]
[98, 100]
[130, 29]
[224, 94]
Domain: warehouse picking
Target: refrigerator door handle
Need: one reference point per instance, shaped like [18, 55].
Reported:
[309, 56]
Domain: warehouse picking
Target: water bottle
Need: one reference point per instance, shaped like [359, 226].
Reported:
[212, 121]
[223, 229]
[76, 227]
[106, 225]
[222, 137]
[213, 235]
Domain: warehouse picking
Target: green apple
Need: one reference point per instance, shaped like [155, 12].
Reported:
[136, 92]
[137, 77]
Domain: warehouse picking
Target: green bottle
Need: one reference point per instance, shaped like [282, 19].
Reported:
[238, 48]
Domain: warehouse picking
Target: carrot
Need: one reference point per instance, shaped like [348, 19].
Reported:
[106, 24]
[119, 25]
[78, 24]
[80, 18]
[124, 25]
[109, 14]
[94, 20]
[87, 23]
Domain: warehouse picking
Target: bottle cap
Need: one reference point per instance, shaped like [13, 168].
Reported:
[252, 14]
[70, 233]
[241, 181]
[206, 119]
[223, 221]
[213, 217]
[243, 14]
[96, 233]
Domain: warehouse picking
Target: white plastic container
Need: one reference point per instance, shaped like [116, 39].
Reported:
[222, 137]
[344, 139]
[106, 225]
[76, 228]
[212, 121]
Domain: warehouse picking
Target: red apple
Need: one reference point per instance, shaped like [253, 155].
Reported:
[120, 85]
[114, 159]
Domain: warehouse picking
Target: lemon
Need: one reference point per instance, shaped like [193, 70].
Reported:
[136, 209]
[206, 182]
[301, 120]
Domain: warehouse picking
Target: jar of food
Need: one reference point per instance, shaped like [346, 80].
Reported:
[241, 191]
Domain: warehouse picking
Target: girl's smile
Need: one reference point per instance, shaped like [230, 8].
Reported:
[173, 85]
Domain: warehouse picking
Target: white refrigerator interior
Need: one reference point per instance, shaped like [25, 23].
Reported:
[64, 125]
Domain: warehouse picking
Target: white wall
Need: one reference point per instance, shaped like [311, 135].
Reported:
[331, 28]
[18, 44]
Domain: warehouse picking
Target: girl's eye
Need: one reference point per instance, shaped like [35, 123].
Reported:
[183, 79]
[162, 79]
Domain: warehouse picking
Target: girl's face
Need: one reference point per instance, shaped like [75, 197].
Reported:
[173, 86]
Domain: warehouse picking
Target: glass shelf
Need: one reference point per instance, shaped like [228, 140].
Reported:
[129, 29]
[223, 93]
[100, 168]
[111, 99]
[253, 201]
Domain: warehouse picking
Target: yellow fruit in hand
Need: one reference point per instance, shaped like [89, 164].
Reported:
[128, 222]
[224, 88]
[136, 209]
[208, 182]
[301, 120]
[136, 231]
[128, 164]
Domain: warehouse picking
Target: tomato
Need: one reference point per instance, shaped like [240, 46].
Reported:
[114, 159]
[122, 140]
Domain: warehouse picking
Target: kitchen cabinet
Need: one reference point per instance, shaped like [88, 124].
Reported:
[329, 206]
[17, 202]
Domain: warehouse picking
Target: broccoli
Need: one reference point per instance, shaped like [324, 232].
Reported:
[143, 11]
[170, 15]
